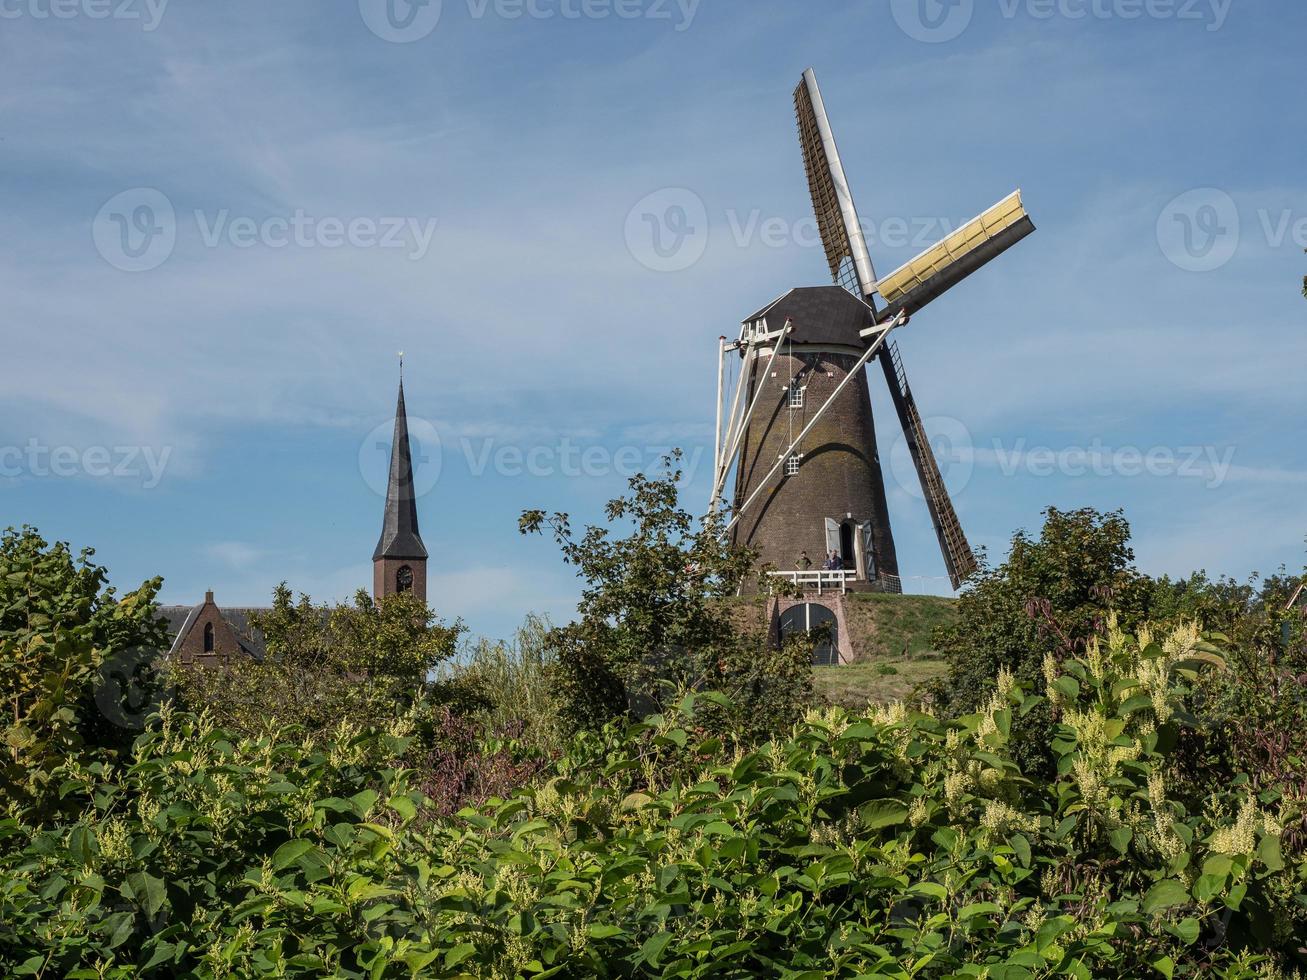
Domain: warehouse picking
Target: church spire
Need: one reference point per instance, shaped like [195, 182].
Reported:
[399, 561]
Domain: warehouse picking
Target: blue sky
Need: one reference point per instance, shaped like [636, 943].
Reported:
[196, 390]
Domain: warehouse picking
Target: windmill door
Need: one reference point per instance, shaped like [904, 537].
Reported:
[809, 618]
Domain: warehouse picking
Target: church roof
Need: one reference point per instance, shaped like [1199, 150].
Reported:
[399, 529]
[820, 315]
[181, 619]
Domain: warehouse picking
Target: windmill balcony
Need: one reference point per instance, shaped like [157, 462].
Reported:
[819, 580]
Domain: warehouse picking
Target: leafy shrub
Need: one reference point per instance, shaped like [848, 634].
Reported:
[61, 627]
[365, 662]
[1050, 597]
[508, 685]
[895, 845]
[651, 624]
[464, 759]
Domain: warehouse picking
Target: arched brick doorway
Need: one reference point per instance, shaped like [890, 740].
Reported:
[806, 617]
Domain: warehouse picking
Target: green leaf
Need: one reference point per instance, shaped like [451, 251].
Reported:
[653, 947]
[882, 813]
[1164, 965]
[1268, 852]
[147, 891]
[1186, 930]
[81, 844]
[458, 954]
[1236, 896]
[289, 853]
[600, 930]
[404, 807]
[1022, 848]
[1165, 895]
[930, 889]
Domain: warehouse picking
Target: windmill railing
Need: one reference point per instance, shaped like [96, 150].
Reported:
[819, 580]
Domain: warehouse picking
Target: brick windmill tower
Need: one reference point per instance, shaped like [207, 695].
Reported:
[399, 563]
[799, 434]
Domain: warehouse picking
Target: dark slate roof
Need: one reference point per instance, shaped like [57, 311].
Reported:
[399, 529]
[179, 620]
[820, 314]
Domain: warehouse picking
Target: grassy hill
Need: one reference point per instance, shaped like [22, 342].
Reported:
[892, 648]
[893, 653]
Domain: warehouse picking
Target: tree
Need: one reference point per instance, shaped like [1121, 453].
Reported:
[61, 626]
[1050, 597]
[654, 616]
[365, 662]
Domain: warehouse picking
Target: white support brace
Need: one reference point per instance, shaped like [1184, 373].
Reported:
[730, 428]
[737, 437]
[870, 352]
[721, 380]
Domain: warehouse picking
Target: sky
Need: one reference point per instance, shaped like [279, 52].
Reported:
[223, 221]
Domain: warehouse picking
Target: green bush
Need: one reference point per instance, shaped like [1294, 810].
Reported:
[895, 845]
[510, 684]
[651, 623]
[365, 662]
[73, 657]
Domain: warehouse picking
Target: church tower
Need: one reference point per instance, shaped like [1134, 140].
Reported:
[400, 562]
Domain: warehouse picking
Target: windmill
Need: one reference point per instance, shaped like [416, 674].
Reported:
[799, 431]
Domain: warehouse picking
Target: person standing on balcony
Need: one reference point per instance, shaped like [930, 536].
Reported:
[804, 563]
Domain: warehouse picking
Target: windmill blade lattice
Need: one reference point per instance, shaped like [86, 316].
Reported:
[958, 556]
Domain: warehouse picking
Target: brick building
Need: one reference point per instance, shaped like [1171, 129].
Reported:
[829, 495]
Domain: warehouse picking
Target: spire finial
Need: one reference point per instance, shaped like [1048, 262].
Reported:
[401, 367]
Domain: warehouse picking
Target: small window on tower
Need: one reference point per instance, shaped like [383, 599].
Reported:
[404, 579]
[208, 638]
[796, 394]
[792, 464]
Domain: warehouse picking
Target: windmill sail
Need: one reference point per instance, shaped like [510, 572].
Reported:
[958, 557]
[837, 218]
[947, 262]
[851, 267]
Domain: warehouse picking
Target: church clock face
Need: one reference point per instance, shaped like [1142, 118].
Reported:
[404, 580]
